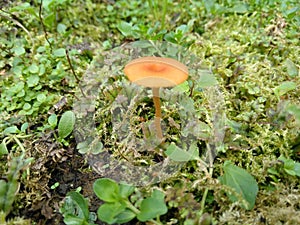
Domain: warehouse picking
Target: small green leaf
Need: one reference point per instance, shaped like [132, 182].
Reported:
[125, 28]
[291, 68]
[61, 52]
[125, 216]
[61, 28]
[80, 203]
[295, 110]
[19, 50]
[239, 8]
[108, 212]
[33, 68]
[52, 120]
[33, 80]
[83, 147]
[96, 148]
[297, 169]
[241, 182]
[26, 106]
[11, 130]
[41, 97]
[107, 190]
[207, 79]
[183, 87]
[66, 124]
[153, 206]
[125, 190]
[3, 149]
[290, 166]
[179, 155]
[24, 127]
[74, 220]
[284, 88]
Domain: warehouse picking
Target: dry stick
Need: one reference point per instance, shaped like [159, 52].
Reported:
[43, 25]
[73, 72]
[157, 119]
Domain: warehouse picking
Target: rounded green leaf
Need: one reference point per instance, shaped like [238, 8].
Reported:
[41, 97]
[33, 80]
[26, 106]
[125, 216]
[153, 206]
[52, 120]
[61, 28]
[19, 50]
[125, 190]
[106, 189]
[33, 68]
[61, 52]
[66, 124]
[125, 28]
[108, 212]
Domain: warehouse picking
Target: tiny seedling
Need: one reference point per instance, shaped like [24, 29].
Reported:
[64, 126]
[119, 209]
[75, 210]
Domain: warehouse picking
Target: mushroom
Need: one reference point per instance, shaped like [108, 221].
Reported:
[156, 72]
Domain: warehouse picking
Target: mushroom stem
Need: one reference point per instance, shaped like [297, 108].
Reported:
[156, 101]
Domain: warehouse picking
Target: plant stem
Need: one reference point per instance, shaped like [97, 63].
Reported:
[19, 143]
[205, 194]
[157, 119]
[132, 207]
[136, 211]
[164, 11]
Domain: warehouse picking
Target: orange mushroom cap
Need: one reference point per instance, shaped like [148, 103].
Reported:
[156, 72]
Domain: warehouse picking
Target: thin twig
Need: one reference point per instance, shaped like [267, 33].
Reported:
[71, 66]
[73, 72]
[43, 25]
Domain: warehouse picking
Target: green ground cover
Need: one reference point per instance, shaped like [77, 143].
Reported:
[252, 49]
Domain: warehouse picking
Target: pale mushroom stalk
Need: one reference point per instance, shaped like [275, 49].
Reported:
[156, 101]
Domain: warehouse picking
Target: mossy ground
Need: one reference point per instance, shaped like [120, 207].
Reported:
[252, 49]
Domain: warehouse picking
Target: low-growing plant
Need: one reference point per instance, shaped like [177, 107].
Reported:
[75, 210]
[9, 185]
[61, 128]
[119, 209]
